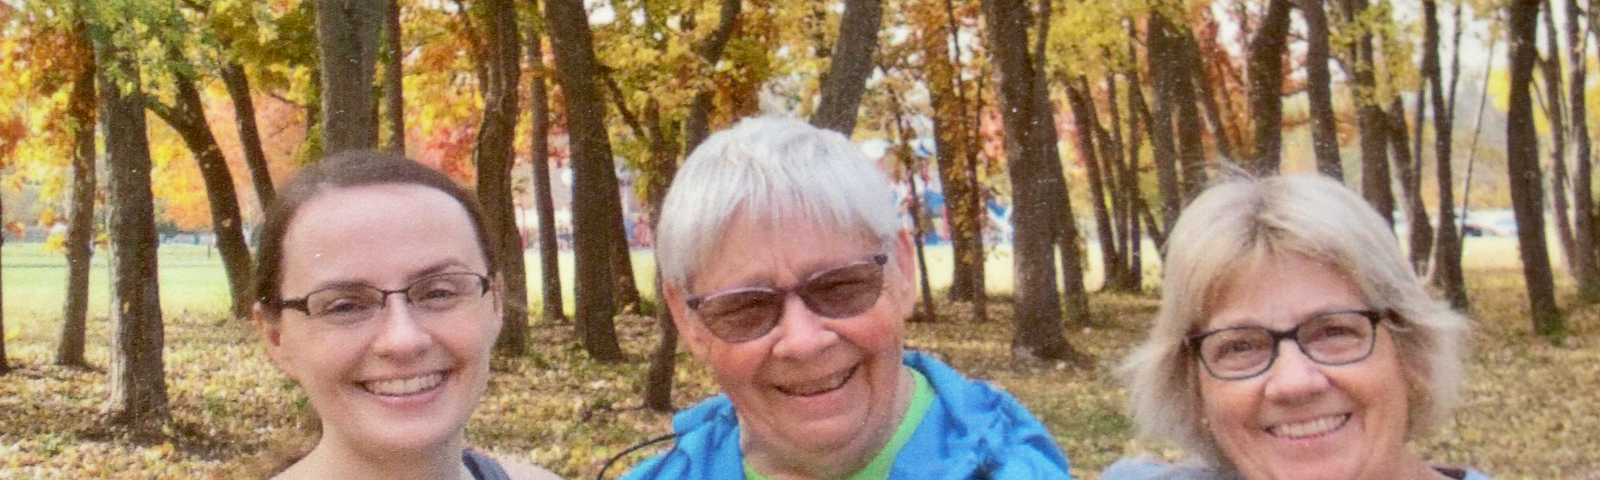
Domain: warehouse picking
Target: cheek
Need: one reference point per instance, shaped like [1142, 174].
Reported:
[1227, 407]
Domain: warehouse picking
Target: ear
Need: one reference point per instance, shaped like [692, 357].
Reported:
[271, 330]
[690, 329]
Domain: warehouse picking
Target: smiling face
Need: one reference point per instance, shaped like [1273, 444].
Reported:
[403, 381]
[814, 390]
[1300, 419]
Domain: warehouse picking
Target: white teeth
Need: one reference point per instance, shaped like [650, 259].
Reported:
[404, 386]
[821, 385]
[1310, 427]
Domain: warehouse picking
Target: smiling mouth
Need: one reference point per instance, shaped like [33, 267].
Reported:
[399, 387]
[1309, 428]
[819, 386]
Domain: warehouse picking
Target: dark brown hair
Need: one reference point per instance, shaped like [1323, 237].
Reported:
[349, 169]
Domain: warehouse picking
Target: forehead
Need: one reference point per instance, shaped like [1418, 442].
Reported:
[1279, 290]
[378, 228]
[767, 250]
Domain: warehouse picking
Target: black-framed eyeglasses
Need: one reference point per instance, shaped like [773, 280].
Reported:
[1332, 339]
[747, 313]
[356, 303]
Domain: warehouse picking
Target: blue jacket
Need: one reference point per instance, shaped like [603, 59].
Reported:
[971, 430]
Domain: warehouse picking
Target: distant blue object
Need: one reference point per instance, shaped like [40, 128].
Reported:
[972, 430]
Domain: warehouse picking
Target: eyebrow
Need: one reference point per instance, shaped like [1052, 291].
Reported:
[437, 268]
[1255, 322]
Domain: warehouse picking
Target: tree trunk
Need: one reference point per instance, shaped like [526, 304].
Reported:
[1324, 125]
[80, 224]
[187, 118]
[1522, 166]
[1421, 232]
[1161, 52]
[851, 63]
[138, 392]
[244, 114]
[963, 208]
[1191, 143]
[1369, 118]
[1266, 86]
[1583, 209]
[394, 76]
[494, 157]
[1447, 238]
[1083, 116]
[1075, 298]
[593, 220]
[1133, 198]
[549, 252]
[1037, 318]
[347, 44]
[1554, 109]
[698, 125]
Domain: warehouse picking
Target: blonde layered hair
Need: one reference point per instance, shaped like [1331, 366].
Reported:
[1244, 221]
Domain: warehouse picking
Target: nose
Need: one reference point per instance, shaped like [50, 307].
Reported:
[801, 333]
[1293, 377]
[400, 335]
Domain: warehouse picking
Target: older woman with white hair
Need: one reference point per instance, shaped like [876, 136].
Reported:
[1293, 342]
[788, 271]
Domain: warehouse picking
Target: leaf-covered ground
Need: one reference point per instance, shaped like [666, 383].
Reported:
[1531, 410]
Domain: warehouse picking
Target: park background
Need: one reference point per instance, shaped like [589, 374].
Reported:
[1051, 139]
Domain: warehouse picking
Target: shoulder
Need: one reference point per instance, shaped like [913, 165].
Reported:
[1145, 468]
[518, 470]
[1475, 475]
[1000, 437]
[706, 445]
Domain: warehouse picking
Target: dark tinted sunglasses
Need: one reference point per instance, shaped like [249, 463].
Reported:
[747, 313]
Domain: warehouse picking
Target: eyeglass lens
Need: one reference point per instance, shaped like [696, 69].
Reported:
[355, 303]
[1331, 339]
[748, 313]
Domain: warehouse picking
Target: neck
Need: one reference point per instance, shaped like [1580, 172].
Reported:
[332, 458]
[781, 462]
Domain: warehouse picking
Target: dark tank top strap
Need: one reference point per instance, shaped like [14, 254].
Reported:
[482, 466]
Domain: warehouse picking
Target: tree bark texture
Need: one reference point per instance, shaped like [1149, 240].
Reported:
[244, 114]
[1074, 298]
[394, 77]
[1084, 118]
[494, 157]
[1161, 45]
[80, 220]
[549, 250]
[1585, 250]
[1416, 214]
[594, 218]
[698, 124]
[1447, 238]
[187, 117]
[1522, 166]
[850, 65]
[1554, 110]
[1265, 68]
[347, 41]
[1191, 141]
[1037, 319]
[1370, 119]
[963, 208]
[138, 393]
[1324, 125]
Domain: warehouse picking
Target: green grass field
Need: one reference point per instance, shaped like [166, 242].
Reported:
[1530, 410]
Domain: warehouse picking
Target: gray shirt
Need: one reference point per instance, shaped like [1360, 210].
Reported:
[1144, 468]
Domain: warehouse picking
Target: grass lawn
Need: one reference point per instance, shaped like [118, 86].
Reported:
[1530, 410]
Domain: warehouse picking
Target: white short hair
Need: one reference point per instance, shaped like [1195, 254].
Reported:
[1243, 221]
[775, 168]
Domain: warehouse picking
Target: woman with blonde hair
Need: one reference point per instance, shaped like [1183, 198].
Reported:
[1293, 342]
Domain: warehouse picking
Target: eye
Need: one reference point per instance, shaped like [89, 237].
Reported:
[341, 305]
[441, 291]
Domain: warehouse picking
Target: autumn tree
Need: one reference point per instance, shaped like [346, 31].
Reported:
[1266, 85]
[1037, 319]
[80, 221]
[1447, 239]
[594, 217]
[1361, 61]
[955, 146]
[394, 100]
[1586, 252]
[494, 156]
[347, 39]
[539, 160]
[1324, 125]
[850, 64]
[138, 394]
[1522, 166]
